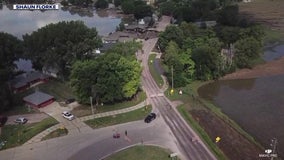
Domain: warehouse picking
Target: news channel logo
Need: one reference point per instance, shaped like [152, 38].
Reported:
[36, 6]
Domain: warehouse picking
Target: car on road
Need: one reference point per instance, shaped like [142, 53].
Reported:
[21, 120]
[116, 135]
[150, 117]
[68, 115]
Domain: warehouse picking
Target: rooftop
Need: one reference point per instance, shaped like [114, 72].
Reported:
[37, 98]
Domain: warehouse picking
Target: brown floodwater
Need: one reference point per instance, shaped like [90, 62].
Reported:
[257, 105]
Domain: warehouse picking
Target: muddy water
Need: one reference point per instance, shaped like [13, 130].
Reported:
[257, 105]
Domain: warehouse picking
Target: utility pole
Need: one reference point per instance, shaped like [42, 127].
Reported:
[172, 77]
[91, 99]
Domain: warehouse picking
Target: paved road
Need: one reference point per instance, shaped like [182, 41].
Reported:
[95, 144]
[184, 134]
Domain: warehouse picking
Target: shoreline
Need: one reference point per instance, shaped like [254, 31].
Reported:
[272, 68]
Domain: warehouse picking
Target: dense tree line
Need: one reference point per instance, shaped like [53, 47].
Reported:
[137, 7]
[101, 4]
[202, 49]
[10, 49]
[109, 78]
[60, 45]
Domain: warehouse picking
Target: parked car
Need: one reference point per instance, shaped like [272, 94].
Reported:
[150, 117]
[69, 100]
[68, 115]
[21, 120]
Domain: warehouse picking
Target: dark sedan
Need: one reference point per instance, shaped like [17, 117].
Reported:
[150, 118]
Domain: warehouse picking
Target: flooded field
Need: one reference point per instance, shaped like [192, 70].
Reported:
[257, 105]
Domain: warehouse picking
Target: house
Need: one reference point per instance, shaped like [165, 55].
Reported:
[38, 99]
[104, 48]
[51, 71]
[246, 1]
[119, 37]
[205, 24]
[25, 80]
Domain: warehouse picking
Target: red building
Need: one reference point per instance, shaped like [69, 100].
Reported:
[38, 99]
[25, 80]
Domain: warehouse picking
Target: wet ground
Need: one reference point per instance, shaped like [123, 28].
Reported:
[234, 146]
[257, 105]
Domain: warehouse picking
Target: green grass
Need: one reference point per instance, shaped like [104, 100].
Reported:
[157, 77]
[61, 91]
[272, 36]
[119, 118]
[85, 110]
[189, 92]
[56, 133]
[141, 153]
[20, 109]
[205, 137]
[19, 134]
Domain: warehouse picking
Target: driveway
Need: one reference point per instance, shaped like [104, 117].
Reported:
[74, 127]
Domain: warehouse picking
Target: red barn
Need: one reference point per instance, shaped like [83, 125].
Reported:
[38, 99]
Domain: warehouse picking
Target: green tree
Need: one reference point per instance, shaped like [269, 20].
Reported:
[229, 15]
[181, 62]
[117, 3]
[167, 8]
[109, 78]
[10, 49]
[101, 4]
[247, 50]
[64, 3]
[60, 45]
[142, 11]
[126, 49]
[128, 7]
[172, 33]
[208, 60]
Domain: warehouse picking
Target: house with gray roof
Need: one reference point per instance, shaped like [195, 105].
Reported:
[25, 80]
[38, 99]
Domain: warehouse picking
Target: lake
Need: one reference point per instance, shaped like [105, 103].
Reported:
[19, 22]
[257, 105]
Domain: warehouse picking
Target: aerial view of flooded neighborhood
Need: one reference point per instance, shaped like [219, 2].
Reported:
[141, 79]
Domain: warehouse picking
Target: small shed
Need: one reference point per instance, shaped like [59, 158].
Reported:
[38, 99]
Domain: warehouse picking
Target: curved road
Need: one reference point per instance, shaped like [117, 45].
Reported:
[184, 134]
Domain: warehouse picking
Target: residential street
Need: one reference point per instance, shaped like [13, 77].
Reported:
[95, 144]
[169, 130]
[196, 150]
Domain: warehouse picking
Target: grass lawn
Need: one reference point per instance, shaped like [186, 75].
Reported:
[141, 153]
[20, 109]
[119, 118]
[56, 133]
[61, 91]
[16, 135]
[272, 36]
[85, 110]
[157, 77]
